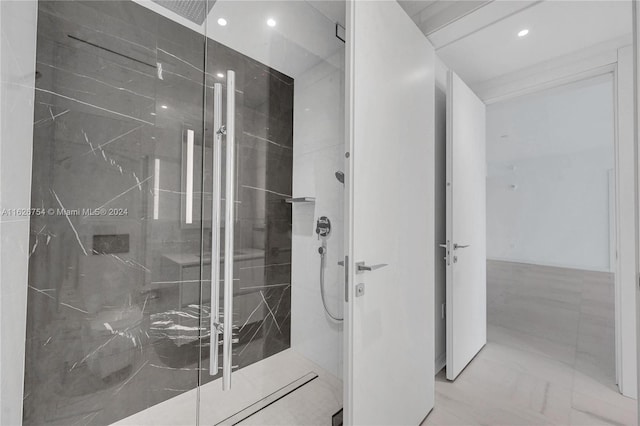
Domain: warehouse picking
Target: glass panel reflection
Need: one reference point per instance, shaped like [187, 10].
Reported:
[113, 320]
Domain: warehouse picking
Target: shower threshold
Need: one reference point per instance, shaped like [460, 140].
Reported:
[268, 400]
[261, 386]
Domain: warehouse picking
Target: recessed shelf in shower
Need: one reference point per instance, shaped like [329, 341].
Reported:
[300, 200]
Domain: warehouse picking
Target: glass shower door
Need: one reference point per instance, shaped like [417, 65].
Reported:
[114, 270]
[261, 56]
[251, 246]
[163, 269]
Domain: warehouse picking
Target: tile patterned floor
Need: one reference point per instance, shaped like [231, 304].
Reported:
[567, 314]
[548, 359]
[508, 384]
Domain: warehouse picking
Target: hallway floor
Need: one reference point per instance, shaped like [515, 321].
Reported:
[508, 383]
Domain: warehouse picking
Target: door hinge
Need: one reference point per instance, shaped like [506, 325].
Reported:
[444, 310]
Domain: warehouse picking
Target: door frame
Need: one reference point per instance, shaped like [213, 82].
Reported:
[349, 130]
[636, 136]
[614, 228]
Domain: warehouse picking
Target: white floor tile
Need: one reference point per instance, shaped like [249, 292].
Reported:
[543, 364]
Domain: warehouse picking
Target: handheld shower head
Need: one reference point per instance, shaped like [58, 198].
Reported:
[340, 176]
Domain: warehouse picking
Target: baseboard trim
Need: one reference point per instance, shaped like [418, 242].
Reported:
[549, 265]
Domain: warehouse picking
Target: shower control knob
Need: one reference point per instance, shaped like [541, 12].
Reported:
[323, 227]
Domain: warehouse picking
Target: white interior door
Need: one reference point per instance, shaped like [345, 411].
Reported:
[390, 210]
[466, 226]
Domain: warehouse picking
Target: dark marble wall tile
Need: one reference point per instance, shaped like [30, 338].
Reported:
[78, 75]
[127, 16]
[133, 25]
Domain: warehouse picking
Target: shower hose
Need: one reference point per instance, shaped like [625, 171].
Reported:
[322, 250]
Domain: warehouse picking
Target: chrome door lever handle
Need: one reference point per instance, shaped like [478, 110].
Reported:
[341, 262]
[361, 267]
[460, 246]
[443, 246]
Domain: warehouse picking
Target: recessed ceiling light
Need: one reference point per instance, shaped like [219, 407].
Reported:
[523, 33]
[164, 106]
[220, 75]
[222, 22]
[271, 22]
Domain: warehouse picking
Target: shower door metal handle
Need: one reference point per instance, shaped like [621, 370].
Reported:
[227, 332]
[214, 323]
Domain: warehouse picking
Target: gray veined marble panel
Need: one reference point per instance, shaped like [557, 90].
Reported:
[92, 80]
[136, 25]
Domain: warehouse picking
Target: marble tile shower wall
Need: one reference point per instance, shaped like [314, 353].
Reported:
[114, 312]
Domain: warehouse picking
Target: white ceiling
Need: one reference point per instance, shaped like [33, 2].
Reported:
[432, 15]
[482, 43]
[476, 38]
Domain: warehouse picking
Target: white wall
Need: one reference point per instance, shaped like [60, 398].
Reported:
[548, 158]
[318, 152]
[17, 72]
